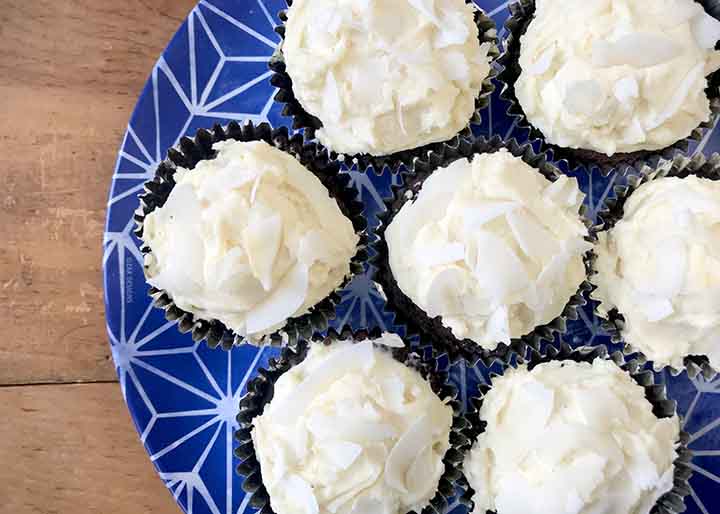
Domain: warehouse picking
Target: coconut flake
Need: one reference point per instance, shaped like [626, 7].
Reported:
[403, 453]
[657, 308]
[671, 266]
[626, 90]
[393, 391]
[328, 428]
[447, 254]
[421, 477]
[533, 238]
[678, 98]
[498, 270]
[452, 30]
[261, 240]
[442, 292]
[400, 117]
[706, 30]
[255, 187]
[217, 183]
[390, 340]
[682, 12]
[283, 302]
[355, 357]
[342, 454]
[640, 49]
[302, 494]
[182, 207]
[475, 217]
[564, 191]
[426, 8]
[535, 403]
[634, 133]
[498, 325]
[582, 97]
[332, 104]
[542, 64]
[456, 66]
[187, 242]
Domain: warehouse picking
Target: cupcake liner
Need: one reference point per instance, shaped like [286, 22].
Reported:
[304, 120]
[260, 393]
[411, 314]
[521, 14]
[612, 211]
[186, 155]
[671, 502]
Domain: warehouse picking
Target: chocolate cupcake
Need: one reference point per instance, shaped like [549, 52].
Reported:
[248, 235]
[355, 423]
[383, 82]
[485, 248]
[657, 262]
[576, 431]
[610, 87]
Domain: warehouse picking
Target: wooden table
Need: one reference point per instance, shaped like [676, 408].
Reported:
[70, 71]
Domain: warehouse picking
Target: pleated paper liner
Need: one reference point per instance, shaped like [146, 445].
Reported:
[191, 151]
[424, 360]
[521, 14]
[612, 211]
[411, 314]
[304, 120]
[671, 502]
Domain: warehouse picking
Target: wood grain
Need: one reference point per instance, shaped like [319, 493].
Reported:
[70, 72]
[72, 449]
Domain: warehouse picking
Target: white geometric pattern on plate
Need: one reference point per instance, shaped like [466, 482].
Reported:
[182, 396]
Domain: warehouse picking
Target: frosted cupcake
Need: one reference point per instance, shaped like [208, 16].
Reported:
[385, 77]
[350, 428]
[576, 436]
[609, 82]
[248, 238]
[486, 249]
[658, 265]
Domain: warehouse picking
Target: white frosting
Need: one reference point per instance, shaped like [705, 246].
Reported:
[491, 246]
[571, 438]
[617, 75]
[385, 75]
[250, 238]
[350, 430]
[660, 266]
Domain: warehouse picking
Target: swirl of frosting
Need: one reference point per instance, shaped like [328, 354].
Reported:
[250, 238]
[385, 75]
[491, 246]
[571, 438]
[350, 430]
[617, 75]
[660, 267]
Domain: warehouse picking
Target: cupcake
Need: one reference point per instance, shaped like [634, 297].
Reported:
[350, 428]
[248, 238]
[659, 265]
[612, 82]
[578, 436]
[384, 78]
[485, 249]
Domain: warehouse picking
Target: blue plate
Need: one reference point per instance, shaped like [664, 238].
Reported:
[183, 397]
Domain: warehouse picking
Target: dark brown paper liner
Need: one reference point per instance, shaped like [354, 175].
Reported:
[671, 502]
[411, 314]
[191, 151]
[521, 14]
[304, 120]
[612, 211]
[424, 360]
